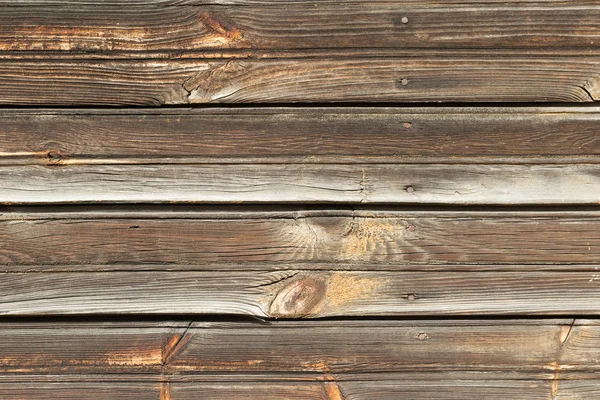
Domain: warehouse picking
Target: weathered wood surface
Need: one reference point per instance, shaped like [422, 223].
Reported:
[469, 78]
[357, 390]
[154, 26]
[263, 273]
[312, 348]
[388, 390]
[300, 135]
[89, 3]
[303, 183]
[301, 294]
[92, 390]
[291, 237]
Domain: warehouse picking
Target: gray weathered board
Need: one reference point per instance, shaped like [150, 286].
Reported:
[292, 199]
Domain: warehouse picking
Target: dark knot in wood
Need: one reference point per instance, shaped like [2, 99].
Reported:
[299, 298]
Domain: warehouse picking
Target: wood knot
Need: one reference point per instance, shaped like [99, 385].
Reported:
[219, 27]
[54, 157]
[299, 298]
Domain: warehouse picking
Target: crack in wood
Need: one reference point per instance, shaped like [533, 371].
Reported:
[176, 344]
[211, 84]
[365, 186]
[285, 278]
[582, 87]
[566, 333]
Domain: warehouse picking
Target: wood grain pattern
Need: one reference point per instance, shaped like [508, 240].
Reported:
[359, 238]
[177, 252]
[301, 294]
[301, 135]
[178, 28]
[441, 79]
[292, 183]
[90, 3]
[406, 386]
[77, 390]
[313, 348]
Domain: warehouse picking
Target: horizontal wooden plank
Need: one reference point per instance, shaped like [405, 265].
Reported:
[426, 390]
[475, 377]
[153, 83]
[301, 294]
[301, 183]
[301, 135]
[296, 25]
[359, 390]
[271, 3]
[78, 390]
[320, 349]
[359, 238]
[419, 390]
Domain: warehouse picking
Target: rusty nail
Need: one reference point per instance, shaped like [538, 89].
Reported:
[404, 81]
[407, 125]
[412, 228]
[421, 336]
[410, 189]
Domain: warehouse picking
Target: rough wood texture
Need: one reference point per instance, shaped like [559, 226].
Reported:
[296, 25]
[88, 3]
[301, 135]
[388, 390]
[301, 183]
[301, 294]
[542, 346]
[324, 248]
[294, 237]
[406, 386]
[93, 390]
[434, 79]
[419, 387]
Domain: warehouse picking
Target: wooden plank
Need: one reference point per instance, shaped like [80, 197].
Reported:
[177, 378]
[301, 183]
[406, 386]
[443, 78]
[419, 390]
[301, 294]
[40, 347]
[312, 348]
[301, 135]
[349, 347]
[293, 237]
[271, 3]
[296, 25]
[81, 390]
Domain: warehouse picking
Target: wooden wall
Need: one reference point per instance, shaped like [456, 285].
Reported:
[292, 199]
